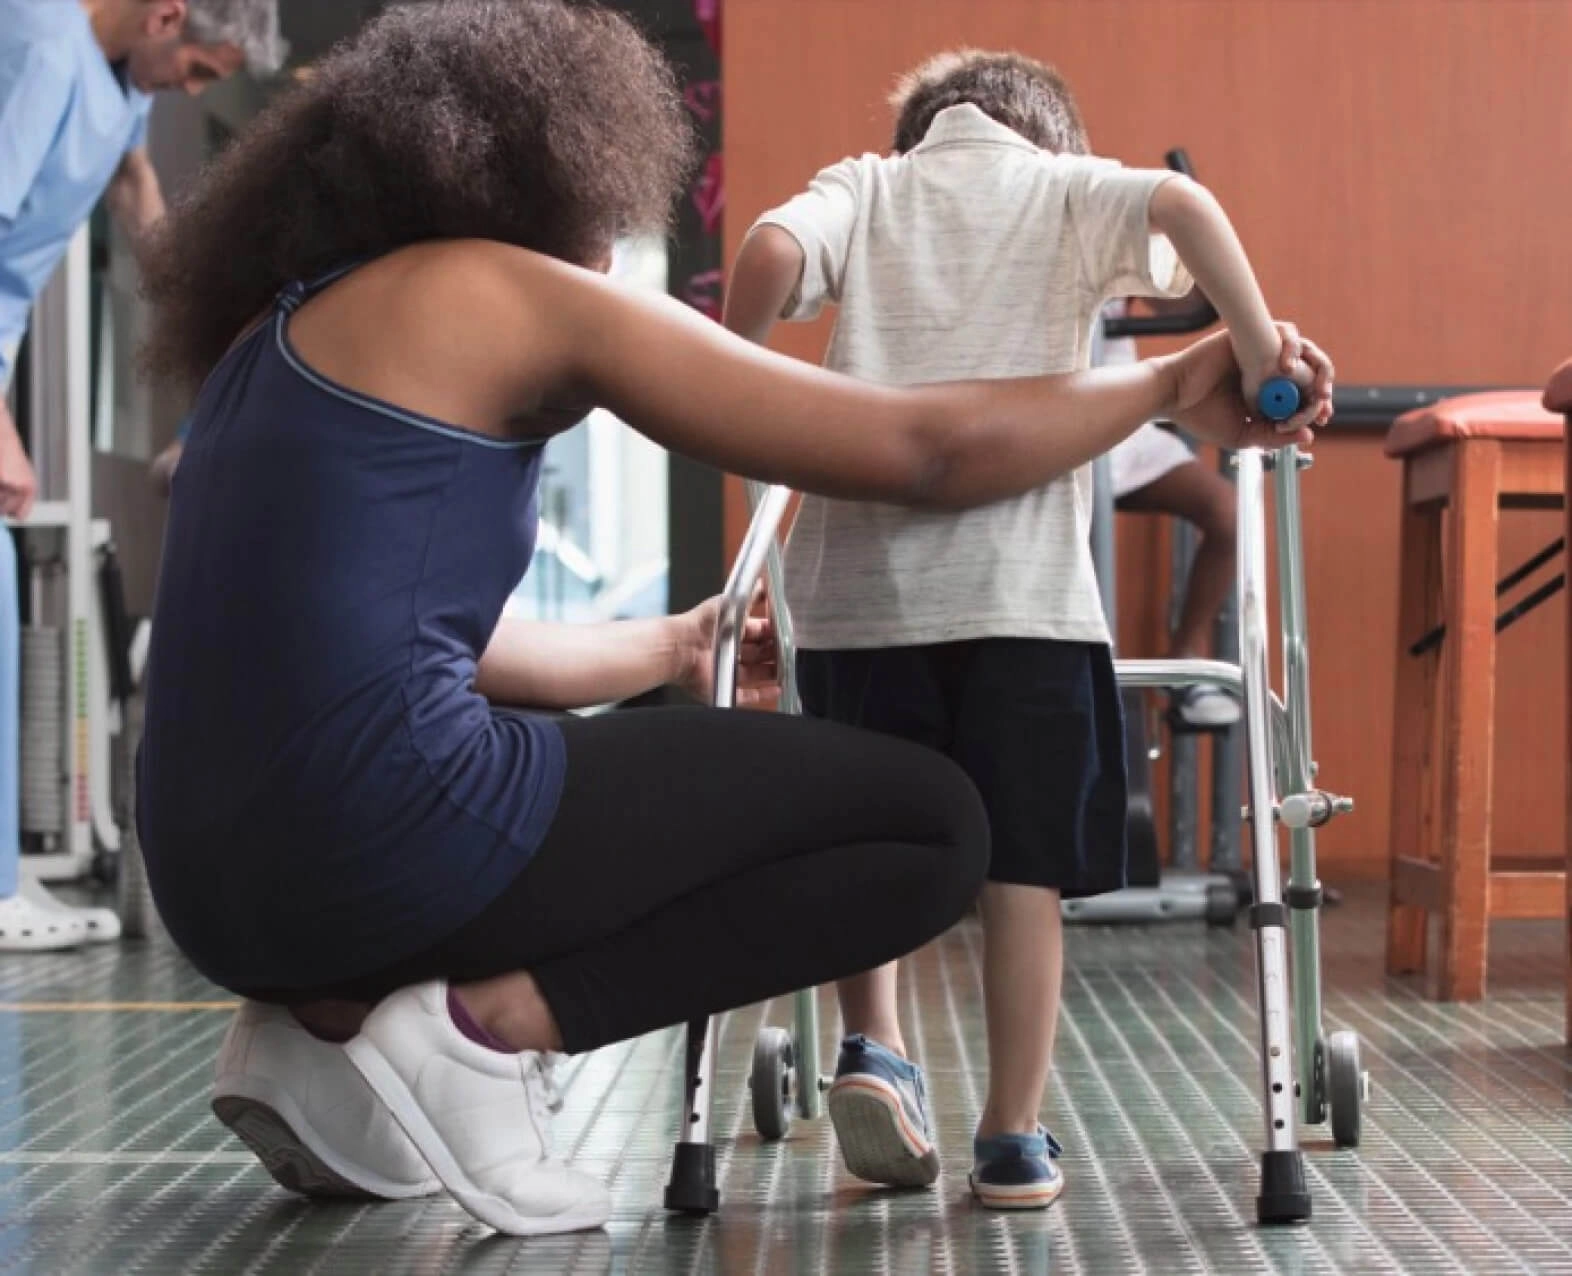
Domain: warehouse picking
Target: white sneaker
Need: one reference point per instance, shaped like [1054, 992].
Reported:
[99, 925]
[28, 927]
[481, 1118]
[301, 1106]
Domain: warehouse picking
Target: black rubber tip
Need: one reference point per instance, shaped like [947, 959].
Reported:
[1284, 1197]
[692, 1188]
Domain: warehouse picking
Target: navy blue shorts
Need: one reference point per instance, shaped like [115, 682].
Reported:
[1036, 724]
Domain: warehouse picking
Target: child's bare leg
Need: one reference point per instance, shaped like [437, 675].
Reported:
[1023, 972]
[868, 1006]
[878, 1101]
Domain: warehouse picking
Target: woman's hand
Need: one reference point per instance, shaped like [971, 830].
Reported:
[1209, 402]
[758, 660]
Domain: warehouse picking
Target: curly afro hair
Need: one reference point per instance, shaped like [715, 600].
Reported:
[1016, 91]
[554, 126]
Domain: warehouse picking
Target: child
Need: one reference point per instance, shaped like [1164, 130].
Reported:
[1154, 472]
[984, 247]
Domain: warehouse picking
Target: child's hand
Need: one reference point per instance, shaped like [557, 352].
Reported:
[1208, 398]
[1284, 362]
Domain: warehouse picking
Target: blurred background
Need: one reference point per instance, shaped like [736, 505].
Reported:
[1400, 171]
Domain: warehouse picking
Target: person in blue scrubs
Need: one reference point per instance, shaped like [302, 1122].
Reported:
[75, 91]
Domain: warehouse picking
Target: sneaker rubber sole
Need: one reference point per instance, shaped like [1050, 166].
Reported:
[489, 1208]
[1017, 1196]
[878, 1140]
[292, 1164]
[266, 1119]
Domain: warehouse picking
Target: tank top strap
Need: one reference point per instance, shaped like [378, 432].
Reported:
[296, 293]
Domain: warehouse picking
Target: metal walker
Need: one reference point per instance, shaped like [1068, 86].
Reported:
[1307, 1075]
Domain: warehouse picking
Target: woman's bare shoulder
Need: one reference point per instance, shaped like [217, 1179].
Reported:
[453, 329]
[482, 271]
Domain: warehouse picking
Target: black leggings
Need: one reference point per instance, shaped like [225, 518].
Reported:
[702, 860]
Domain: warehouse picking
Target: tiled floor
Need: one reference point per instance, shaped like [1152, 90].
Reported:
[109, 1161]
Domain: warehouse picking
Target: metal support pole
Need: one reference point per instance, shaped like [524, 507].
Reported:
[1297, 770]
[691, 1188]
[1227, 748]
[805, 1003]
[1283, 1196]
[1184, 779]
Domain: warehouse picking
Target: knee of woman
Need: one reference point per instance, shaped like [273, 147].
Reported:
[960, 824]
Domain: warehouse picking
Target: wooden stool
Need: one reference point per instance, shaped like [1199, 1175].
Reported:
[1558, 399]
[1475, 455]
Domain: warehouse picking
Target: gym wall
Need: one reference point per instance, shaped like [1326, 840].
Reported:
[1398, 170]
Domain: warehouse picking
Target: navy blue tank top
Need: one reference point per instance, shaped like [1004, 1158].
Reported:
[322, 791]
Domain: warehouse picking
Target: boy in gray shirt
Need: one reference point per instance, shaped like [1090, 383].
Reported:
[984, 246]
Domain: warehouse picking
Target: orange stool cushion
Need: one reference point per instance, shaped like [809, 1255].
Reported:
[1558, 394]
[1515, 415]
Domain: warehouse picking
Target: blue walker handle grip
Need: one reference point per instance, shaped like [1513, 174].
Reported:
[1278, 399]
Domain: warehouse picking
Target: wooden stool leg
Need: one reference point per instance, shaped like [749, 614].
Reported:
[1467, 747]
[1566, 566]
[1413, 723]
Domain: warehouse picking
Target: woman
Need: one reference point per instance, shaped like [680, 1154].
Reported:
[388, 289]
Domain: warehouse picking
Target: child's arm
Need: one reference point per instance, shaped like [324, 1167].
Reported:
[764, 279]
[1195, 223]
[793, 259]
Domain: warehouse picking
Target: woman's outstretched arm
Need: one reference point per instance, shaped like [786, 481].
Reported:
[691, 386]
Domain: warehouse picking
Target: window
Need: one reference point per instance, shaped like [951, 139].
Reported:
[603, 551]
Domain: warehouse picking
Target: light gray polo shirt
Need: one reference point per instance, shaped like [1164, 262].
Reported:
[976, 255]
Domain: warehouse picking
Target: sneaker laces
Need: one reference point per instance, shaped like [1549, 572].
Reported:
[540, 1091]
[546, 1065]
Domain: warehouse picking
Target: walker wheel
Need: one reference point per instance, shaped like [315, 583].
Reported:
[1222, 904]
[770, 1085]
[1348, 1085]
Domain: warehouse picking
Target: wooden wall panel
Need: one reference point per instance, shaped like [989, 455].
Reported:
[1399, 171]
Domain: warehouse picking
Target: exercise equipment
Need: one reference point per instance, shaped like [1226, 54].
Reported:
[1183, 892]
[1307, 1075]
[75, 688]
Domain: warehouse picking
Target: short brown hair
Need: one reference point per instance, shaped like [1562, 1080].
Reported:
[549, 125]
[1016, 91]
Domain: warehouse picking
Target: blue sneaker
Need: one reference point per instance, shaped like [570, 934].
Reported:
[1017, 1171]
[878, 1105]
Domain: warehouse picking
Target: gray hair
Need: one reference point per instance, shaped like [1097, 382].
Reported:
[249, 25]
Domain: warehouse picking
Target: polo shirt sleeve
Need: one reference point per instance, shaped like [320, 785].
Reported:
[35, 91]
[822, 220]
[1120, 256]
